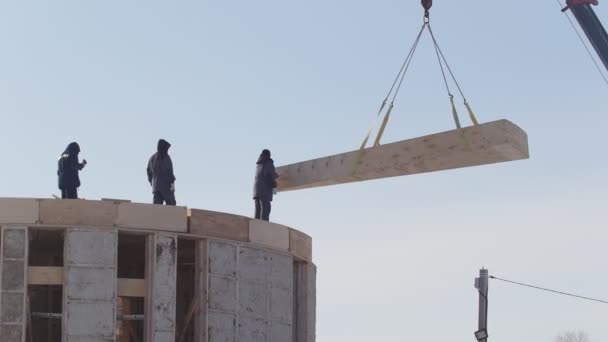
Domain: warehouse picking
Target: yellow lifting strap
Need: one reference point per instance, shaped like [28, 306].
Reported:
[384, 122]
[371, 129]
[455, 113]
[471, 114]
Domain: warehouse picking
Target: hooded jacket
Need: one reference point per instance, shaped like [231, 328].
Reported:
[160, 168]
[265, 178]
[68, 167]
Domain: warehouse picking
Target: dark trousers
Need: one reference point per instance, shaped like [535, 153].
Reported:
[161, 197]
[262, 209]
[70, 193]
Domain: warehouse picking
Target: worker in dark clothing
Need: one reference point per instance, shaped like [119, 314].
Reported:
[68, 168]
[160, 175]
[265, 185]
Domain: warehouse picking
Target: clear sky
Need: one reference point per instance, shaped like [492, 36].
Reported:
[397, 257]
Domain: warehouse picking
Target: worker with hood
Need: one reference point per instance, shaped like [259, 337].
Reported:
[68, 168]
[265, 185]
[160, 174]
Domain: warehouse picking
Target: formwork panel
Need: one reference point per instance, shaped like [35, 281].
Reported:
[253, 298]
[263, 299]
[161, 275]
[222, 327]
[90, 292]
[253, 330]
[222, 293]
[90, 283]
[13, 275]
[14, 242]
[280, 332]
[13, 256]
[222, 258]
[11, 333]
[12, 307]
[253, 263]
[94, 320]
[90, 247]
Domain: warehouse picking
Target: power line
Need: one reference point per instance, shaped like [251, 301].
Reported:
[549, 290]
[599, 69]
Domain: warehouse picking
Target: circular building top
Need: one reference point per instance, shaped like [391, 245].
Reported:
[125, 215]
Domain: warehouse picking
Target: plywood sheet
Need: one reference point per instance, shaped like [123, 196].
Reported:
[218, 225]
[492, 142]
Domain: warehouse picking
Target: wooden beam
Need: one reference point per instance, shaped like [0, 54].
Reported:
[38, 275]
[131, 287]
[54, 276]
[492, 142]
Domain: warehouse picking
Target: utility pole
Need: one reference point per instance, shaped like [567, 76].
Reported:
[481, 284]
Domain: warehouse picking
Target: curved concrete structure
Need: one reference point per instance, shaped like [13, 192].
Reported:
[110, 270]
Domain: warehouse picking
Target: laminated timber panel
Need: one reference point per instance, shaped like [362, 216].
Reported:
[45, 275]
[131, 287]
[48, 275]
[269, 234]
[70, 212]
[152, 217]
[18, 210]
[300, 245]
[492, 142]
[218, 225]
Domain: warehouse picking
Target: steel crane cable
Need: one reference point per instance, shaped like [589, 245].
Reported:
[397, 82]
[442, 60]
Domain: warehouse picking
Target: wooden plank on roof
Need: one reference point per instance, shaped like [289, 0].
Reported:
[488, 143]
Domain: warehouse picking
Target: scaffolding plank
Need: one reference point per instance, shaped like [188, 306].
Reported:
[488, 143]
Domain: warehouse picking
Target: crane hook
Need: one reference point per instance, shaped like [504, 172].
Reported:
[427, 6]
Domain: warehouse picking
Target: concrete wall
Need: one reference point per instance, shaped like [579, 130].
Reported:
[90, 285]
[250, 294]
[13, 260]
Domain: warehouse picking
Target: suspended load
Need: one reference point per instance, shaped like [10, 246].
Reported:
[479, 144]
[492, 142]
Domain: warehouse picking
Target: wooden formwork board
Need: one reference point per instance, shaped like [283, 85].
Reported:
[489, 143]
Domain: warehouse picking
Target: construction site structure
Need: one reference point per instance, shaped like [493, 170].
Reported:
[111, 270]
